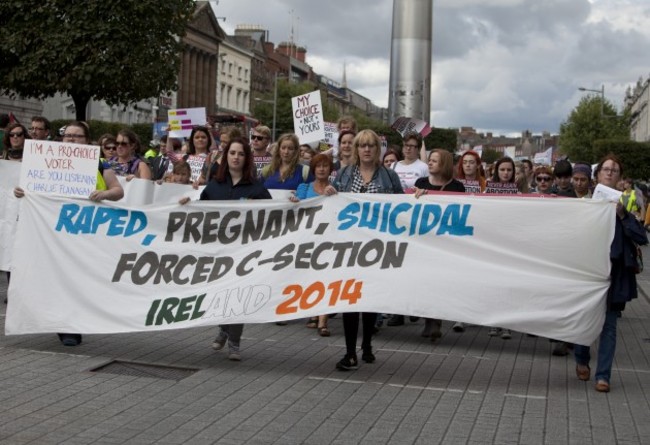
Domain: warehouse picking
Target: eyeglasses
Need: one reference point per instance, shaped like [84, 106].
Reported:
[16, 135]
[74, 136]
[410, 146]
[256, 137]
[543, 178]
[122, 143]
[109, 147]
[613, 171]
[33, 129]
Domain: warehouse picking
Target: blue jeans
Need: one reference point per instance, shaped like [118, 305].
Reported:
[606, 348]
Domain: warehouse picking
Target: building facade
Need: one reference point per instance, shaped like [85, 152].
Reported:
[234, 78]
[636, 99]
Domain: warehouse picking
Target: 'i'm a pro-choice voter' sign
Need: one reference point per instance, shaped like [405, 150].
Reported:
[59, 167]
[308, 121]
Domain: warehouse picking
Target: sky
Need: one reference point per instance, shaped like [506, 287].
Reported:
[497, 65]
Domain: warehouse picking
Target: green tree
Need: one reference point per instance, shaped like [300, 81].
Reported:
[117, 51]
[591, 120]
[490, 156]
[263, 109]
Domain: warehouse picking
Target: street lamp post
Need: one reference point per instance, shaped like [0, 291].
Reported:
[274, 102]
[602, 97]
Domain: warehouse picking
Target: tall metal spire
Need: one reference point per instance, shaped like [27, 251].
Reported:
[410, 60]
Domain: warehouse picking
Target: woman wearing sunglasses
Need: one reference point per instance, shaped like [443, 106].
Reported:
[544, 180]
[14, 141]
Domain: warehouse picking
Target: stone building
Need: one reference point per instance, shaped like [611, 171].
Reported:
[636, 100]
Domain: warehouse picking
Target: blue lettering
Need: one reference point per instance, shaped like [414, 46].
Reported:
[414, 220]
[393, 228]
[136, 217]
[65, 218]
[427, 225]
[455, 223]
[89, 219]
[118, 220]
[103, 215]
[385, 217]
[348, 216]
[85, 221]
[370, 219]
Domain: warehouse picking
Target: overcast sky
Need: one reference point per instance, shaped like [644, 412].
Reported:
[498, 65]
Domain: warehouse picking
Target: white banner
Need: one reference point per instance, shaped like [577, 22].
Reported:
[9, 177]
[105, 268]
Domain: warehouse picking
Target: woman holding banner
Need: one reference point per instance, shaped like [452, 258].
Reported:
[441, 178]
[503, 182]
[233, 180]
[321, 167]
[622, 288]
[285, 171]
[107, 188]
[14, 143]
[366, 174]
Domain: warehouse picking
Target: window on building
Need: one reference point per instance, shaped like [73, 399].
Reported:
[230, 69]
[239, 73]
[246, 75]
[238, 103]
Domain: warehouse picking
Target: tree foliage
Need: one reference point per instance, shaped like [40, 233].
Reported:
[635, 156]
[490, 156]
[263, 109]
[117, 51]
[591, 120]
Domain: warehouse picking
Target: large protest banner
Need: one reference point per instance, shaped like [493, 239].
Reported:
[9, 177]
[308, 120]
[59, 167]
[105, 268]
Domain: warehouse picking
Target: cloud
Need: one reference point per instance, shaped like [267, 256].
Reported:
[502, 65]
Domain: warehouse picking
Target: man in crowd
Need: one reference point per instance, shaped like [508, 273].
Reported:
[260, 140]
[40, 128]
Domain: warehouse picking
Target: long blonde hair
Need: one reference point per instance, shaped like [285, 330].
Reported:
[276, 161]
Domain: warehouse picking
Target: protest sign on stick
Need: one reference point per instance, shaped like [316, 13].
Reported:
[182, 120]
[404, 125]
[308, 120]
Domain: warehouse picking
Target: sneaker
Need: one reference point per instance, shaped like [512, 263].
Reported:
[458, 327]
[396, 320]
[506, 335]
[234, 356]
[347, 363]
[368, 356]
[493, 332]
[219, 343]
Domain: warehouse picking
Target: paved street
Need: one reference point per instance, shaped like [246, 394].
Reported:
[466, 388]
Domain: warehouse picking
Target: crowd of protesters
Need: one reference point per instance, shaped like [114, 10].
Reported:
[237, 166]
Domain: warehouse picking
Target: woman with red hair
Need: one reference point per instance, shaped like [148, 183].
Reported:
[469, 172]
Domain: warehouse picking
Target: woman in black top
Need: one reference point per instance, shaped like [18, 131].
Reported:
[234, 179]
[441, 172]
